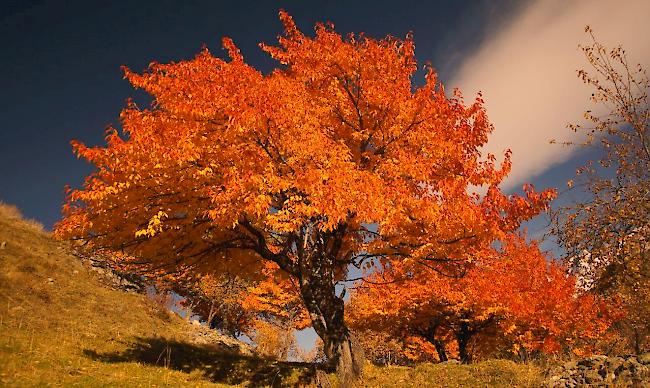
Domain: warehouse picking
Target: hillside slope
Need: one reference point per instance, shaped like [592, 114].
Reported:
[62, 325]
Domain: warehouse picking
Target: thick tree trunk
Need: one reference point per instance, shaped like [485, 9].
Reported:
[347, 358]
[637, 342]
[343, 352]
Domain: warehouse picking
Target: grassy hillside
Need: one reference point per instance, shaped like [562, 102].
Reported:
[60, 324]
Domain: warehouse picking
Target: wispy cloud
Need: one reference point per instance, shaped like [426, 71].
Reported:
[527, 73]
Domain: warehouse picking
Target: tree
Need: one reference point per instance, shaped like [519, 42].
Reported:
[606, 236]
[275, 341]
[333, 159]
[218, 300]
[511, 299]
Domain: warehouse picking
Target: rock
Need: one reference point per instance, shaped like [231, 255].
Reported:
[570, 365]
[614, 362]
[623, 375]
[3, 245]
[50, 280]
[196, 323]
[600, 371]
[644, 358]
[592, 377]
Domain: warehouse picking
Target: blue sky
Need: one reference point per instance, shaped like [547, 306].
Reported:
[61, 78]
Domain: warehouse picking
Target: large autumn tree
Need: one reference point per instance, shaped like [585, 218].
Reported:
[336, 158]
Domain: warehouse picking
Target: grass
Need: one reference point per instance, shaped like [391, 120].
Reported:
[491, 373]
[61, 325]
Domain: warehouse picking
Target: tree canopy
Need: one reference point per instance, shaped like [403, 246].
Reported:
[513, 300]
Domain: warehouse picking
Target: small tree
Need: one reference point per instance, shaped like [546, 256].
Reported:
[511, 299]
[334, 159]
[274, 340]
[218, 300]
[607, 237]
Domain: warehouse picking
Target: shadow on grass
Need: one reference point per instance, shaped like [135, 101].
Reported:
[219, 365]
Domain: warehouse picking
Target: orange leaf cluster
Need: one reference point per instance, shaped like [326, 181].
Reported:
[513, 298]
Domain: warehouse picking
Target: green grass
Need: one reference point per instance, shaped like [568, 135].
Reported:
[61, 325]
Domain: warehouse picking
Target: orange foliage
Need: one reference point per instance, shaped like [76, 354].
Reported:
[277, 298]
[231, 169]
[274, 341]
[513, 297]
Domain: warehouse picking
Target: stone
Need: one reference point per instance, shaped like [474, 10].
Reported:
[3, 245]
[644, 358]
[614, 362]
[600, 371]
[570, 365]
[623, 375]
[592, 377]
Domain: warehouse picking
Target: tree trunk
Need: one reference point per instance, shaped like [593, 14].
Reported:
[347, 358]
[211, 315]
[463, 336]
[440, 349]
[326, 309]
[430, 335]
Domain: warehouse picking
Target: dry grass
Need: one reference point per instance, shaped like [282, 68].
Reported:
[11, 215]
[59, 325]
[492, 373]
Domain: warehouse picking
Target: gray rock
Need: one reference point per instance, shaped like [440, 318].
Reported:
[570, 365]
[644, 358]
[600, 371]
[592, 377]
[614, 362]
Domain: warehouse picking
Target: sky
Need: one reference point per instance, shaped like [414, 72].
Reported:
[61, 79]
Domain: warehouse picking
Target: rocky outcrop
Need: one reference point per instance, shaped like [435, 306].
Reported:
[602, 371]
[101, 264]
[201, 335]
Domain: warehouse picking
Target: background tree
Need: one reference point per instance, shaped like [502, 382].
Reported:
[607, 236]
[274, 340]
[218, 301]
[512, 299]
[384, 348]
[335, 159]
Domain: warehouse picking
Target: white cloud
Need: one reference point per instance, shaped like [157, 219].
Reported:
[527, 73]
